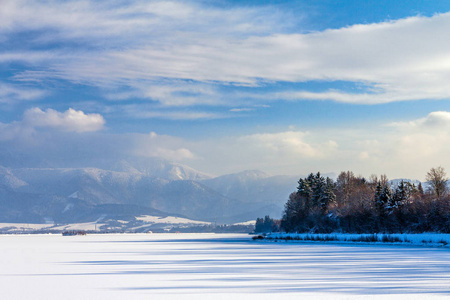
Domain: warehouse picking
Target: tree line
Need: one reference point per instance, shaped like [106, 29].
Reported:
[355, 204]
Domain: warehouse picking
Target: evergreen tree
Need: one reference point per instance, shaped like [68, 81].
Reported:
[264, 225]
[329, 191]
[314, 193]
[401, 195]
[294, 212]
[305, 191]
[322, 192]
[259, 225]
[383, 195]
[318, 190]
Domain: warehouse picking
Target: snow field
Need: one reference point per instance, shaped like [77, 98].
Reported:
[214, 266]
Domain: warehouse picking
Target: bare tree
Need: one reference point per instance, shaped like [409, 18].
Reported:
[384, 180]
[437, 180]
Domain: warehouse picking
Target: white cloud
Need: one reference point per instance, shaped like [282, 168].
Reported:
[425, 139]
[139, 44]
[242, 109]
[91, 20]
[406, 151]
[70, 120]
[284, 152]
[364, 155]
[13, 93]
[282, 143]
[176, 93]
[401, 150]
[143, 111]
[180, 115]
[436, 121]
[402, 60]
[163, 146]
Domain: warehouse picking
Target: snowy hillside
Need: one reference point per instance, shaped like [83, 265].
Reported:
[82, 194]
[142, 223]
[8, 180]
[159, 168]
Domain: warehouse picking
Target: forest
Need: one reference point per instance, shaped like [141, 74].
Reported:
[354, 204]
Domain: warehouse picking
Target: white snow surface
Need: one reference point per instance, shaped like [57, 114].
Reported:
[247, 223]
[79, 226]
[213, 266]
[169, 220]
[149, 221]
[23, 226]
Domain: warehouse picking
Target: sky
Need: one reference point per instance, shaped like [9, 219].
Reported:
[286, 87]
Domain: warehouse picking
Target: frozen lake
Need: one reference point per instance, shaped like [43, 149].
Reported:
[212, 266]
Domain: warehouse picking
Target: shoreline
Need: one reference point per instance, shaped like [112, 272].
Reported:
[441, 240]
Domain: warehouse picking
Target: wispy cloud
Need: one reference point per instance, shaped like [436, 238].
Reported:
[241, 109]
[178, 115]
[10, 93]
[192, 46]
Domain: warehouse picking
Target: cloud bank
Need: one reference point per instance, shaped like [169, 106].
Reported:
[408, 149]
[35, 118]
[181, 53]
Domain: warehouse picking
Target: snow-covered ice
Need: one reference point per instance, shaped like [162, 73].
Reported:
[169, 220]
[214, 266]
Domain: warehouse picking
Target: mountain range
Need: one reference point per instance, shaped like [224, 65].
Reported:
[128, 189]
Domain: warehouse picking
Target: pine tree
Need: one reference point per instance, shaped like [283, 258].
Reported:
[264, 225]
[383, 195]
[329, 191]
[259, 225]
[294, 212]
[304, 191]
[319, 191]
[401, 195]
[323, 193]
[314, 193]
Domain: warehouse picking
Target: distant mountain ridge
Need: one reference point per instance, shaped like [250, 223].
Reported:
[154, 185]
[156, 167]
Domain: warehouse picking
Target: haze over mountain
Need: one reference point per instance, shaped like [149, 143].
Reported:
[137, 187]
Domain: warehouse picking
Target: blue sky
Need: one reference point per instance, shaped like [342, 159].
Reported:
[287, 87]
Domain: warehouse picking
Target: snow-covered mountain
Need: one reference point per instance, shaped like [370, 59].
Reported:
[130, 188]
[159, 168]
[8, 180]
